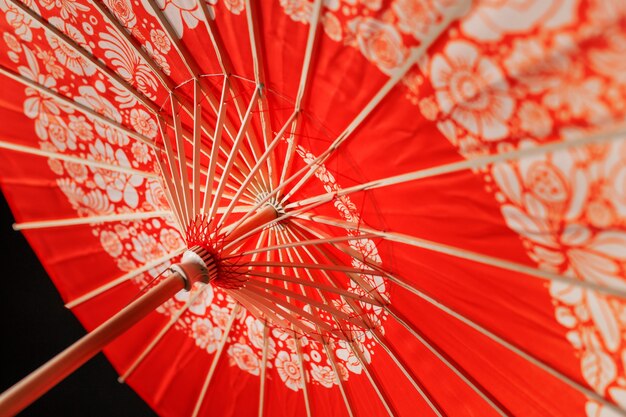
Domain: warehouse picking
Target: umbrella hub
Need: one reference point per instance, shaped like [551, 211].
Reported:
[204, 260]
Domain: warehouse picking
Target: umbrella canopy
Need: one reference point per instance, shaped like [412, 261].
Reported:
[407, 207]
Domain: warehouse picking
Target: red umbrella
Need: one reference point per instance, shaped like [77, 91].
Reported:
[385, 207]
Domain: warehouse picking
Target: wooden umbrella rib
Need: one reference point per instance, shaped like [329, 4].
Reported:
[316, 284]
[170, 191]
[471, 256]
[311, 44]
[325, 266]
[615, 133]
[77, 221]
[331, 358]
[344, 393]
[180, 151]
[314, 164]
[305, 390]
[266, 338]
[592, 395]
[216, 358]
[70, 43]
[450, 364]
[285, 310]
[234, 150]
[371, 376]
[366, 324]
[117, 281]
[74, 159]
[173, 320]
[415, 55]
[217, 139]
[197, 137]
[173, 162]
[256, 167]
[75, 105]
[309, 242]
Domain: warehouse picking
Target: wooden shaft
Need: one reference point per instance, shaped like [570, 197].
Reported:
[48, 375]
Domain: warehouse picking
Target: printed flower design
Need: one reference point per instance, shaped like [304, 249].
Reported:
[111, 243]
[155, 196]
[491, 20]
[123, 10]
[143, 123]
[324, 375]
[68, 9]
[472, 90]
[205, 334]
[90, 97]
[160, 40]
[245, 358]
[67, 56]
[146, 248]
[118, 186]
[171, 239]
[379, 42]
[234, 6]
[288, 368]
[202, 297]
[415, 17]
[298, 10]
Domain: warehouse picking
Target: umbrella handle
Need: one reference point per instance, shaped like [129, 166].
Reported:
[197, 265]
[29, 389]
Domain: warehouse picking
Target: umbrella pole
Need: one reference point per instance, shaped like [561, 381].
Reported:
[22, 394]
[29, 389]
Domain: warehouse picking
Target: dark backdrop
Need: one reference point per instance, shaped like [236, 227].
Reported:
[34, 326]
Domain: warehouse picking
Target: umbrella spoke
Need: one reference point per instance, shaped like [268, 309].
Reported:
[329, 354]
[327, 267]
[216, 358]
[217, 140]
[311, 242]
[305, 391]
[236, 145]
[315, 284]
[266, 340]
[471, 256]
[197, 137]
[415, 55]
[617, 132]
[344, 394]
[174, 175]
[260, 79]
[75, 105]
[129, 275]
[450, 363]
[69, 158]
[258, 165]
[70, 43]
[283, 308]
[173, 320]
[311, 46]
[366, 324]
[180, 150]
[373, 378]
[75, 221]
[307, 300]
[511, 347]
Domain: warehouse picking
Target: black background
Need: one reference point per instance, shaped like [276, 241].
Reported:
[35, 325]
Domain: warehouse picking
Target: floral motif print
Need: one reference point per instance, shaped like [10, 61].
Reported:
[288, 367]
[471, 90]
